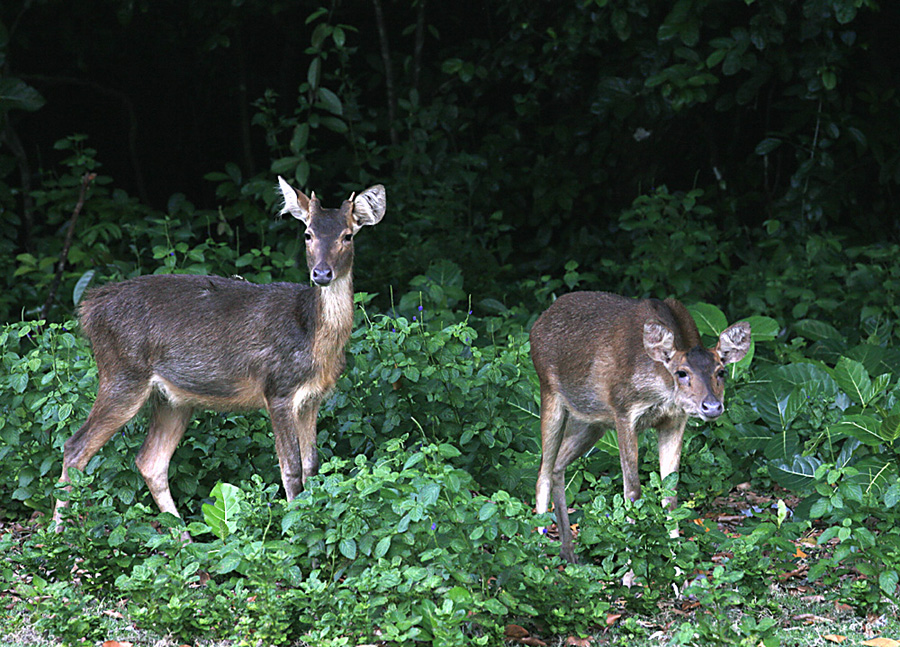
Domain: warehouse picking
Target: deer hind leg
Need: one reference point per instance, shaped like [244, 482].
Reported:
[167, 426]
[580, 436]
[553, 416]
[118, 401]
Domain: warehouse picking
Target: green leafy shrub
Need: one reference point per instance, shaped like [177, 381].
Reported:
[421, 379]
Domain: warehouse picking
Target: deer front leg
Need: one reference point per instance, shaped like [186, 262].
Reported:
[671, 437]
[284, 427]
[306, 437]
[628, 457]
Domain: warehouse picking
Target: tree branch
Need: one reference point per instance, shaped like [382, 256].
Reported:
[388, 71]
[86, 180]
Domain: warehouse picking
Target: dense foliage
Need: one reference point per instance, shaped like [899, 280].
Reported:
[735, 153]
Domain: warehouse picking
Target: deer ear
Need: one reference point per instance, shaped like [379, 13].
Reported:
[295, 202]
[369, 206]
[659, 342]
[734, 342]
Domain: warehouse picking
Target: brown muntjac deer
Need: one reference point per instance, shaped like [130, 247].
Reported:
[605, 361]
[186, 342]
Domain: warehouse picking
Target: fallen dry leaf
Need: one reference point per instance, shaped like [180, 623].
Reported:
[578, 642]
[515, 631]
[117, 616]
[533, 642]
[882, 642]
[612, 618]
[834, 638]
[116, 643]
[810, 618]
[791, 574]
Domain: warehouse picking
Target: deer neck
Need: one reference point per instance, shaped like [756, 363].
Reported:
[334, 317]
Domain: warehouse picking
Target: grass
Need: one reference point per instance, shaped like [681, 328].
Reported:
[802, 621]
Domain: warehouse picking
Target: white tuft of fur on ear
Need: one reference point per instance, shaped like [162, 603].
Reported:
[659, 342]
[734, 342]
[369, 206]
[295, 202]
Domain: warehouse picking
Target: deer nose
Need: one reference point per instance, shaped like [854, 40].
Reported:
[322, 275]
[711, 408]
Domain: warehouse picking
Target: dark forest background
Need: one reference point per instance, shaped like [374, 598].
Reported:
[512, 136]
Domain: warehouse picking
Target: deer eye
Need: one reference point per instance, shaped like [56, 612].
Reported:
[722, 373]
[308, 237]
[681, 374]
[348, 238]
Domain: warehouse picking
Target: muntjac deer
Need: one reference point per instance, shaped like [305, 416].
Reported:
[186, 342]
[609, 361]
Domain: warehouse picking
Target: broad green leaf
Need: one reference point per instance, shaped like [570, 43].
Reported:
[819, 509]
[347, 546]
[488, 510]
[15, 94]
[284, 165]
[762, 328]
[796, 474]
[609, 443]
[331, 102]
[495, 607]
[890, 427]
[817, 330]
[446, 450]
[459, 595]
[314, 73]
[814, 380]
[767, 145]
[865, 428]
[300, 139]
[892, 496]
[219, 516]
[888, 580]
[876, 473]
[710, 320]
[777, 402]
[429, 494]
[228, 563]
[381, 548]
[82, 285]
[334, 124]
[854, 380]
[750, 437]
[876, 359]
[783, 445]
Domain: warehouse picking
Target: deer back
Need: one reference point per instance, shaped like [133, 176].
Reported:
[222, 343]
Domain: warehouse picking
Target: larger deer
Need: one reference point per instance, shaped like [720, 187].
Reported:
[608, 361]
[185, 342]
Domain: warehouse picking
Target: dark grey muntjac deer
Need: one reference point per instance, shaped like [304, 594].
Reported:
[186, 342]
[609, 361]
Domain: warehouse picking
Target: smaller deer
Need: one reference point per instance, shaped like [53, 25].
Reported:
[609, 361]
[185, 342]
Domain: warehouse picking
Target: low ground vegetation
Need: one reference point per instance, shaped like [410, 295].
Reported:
[419, 528]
